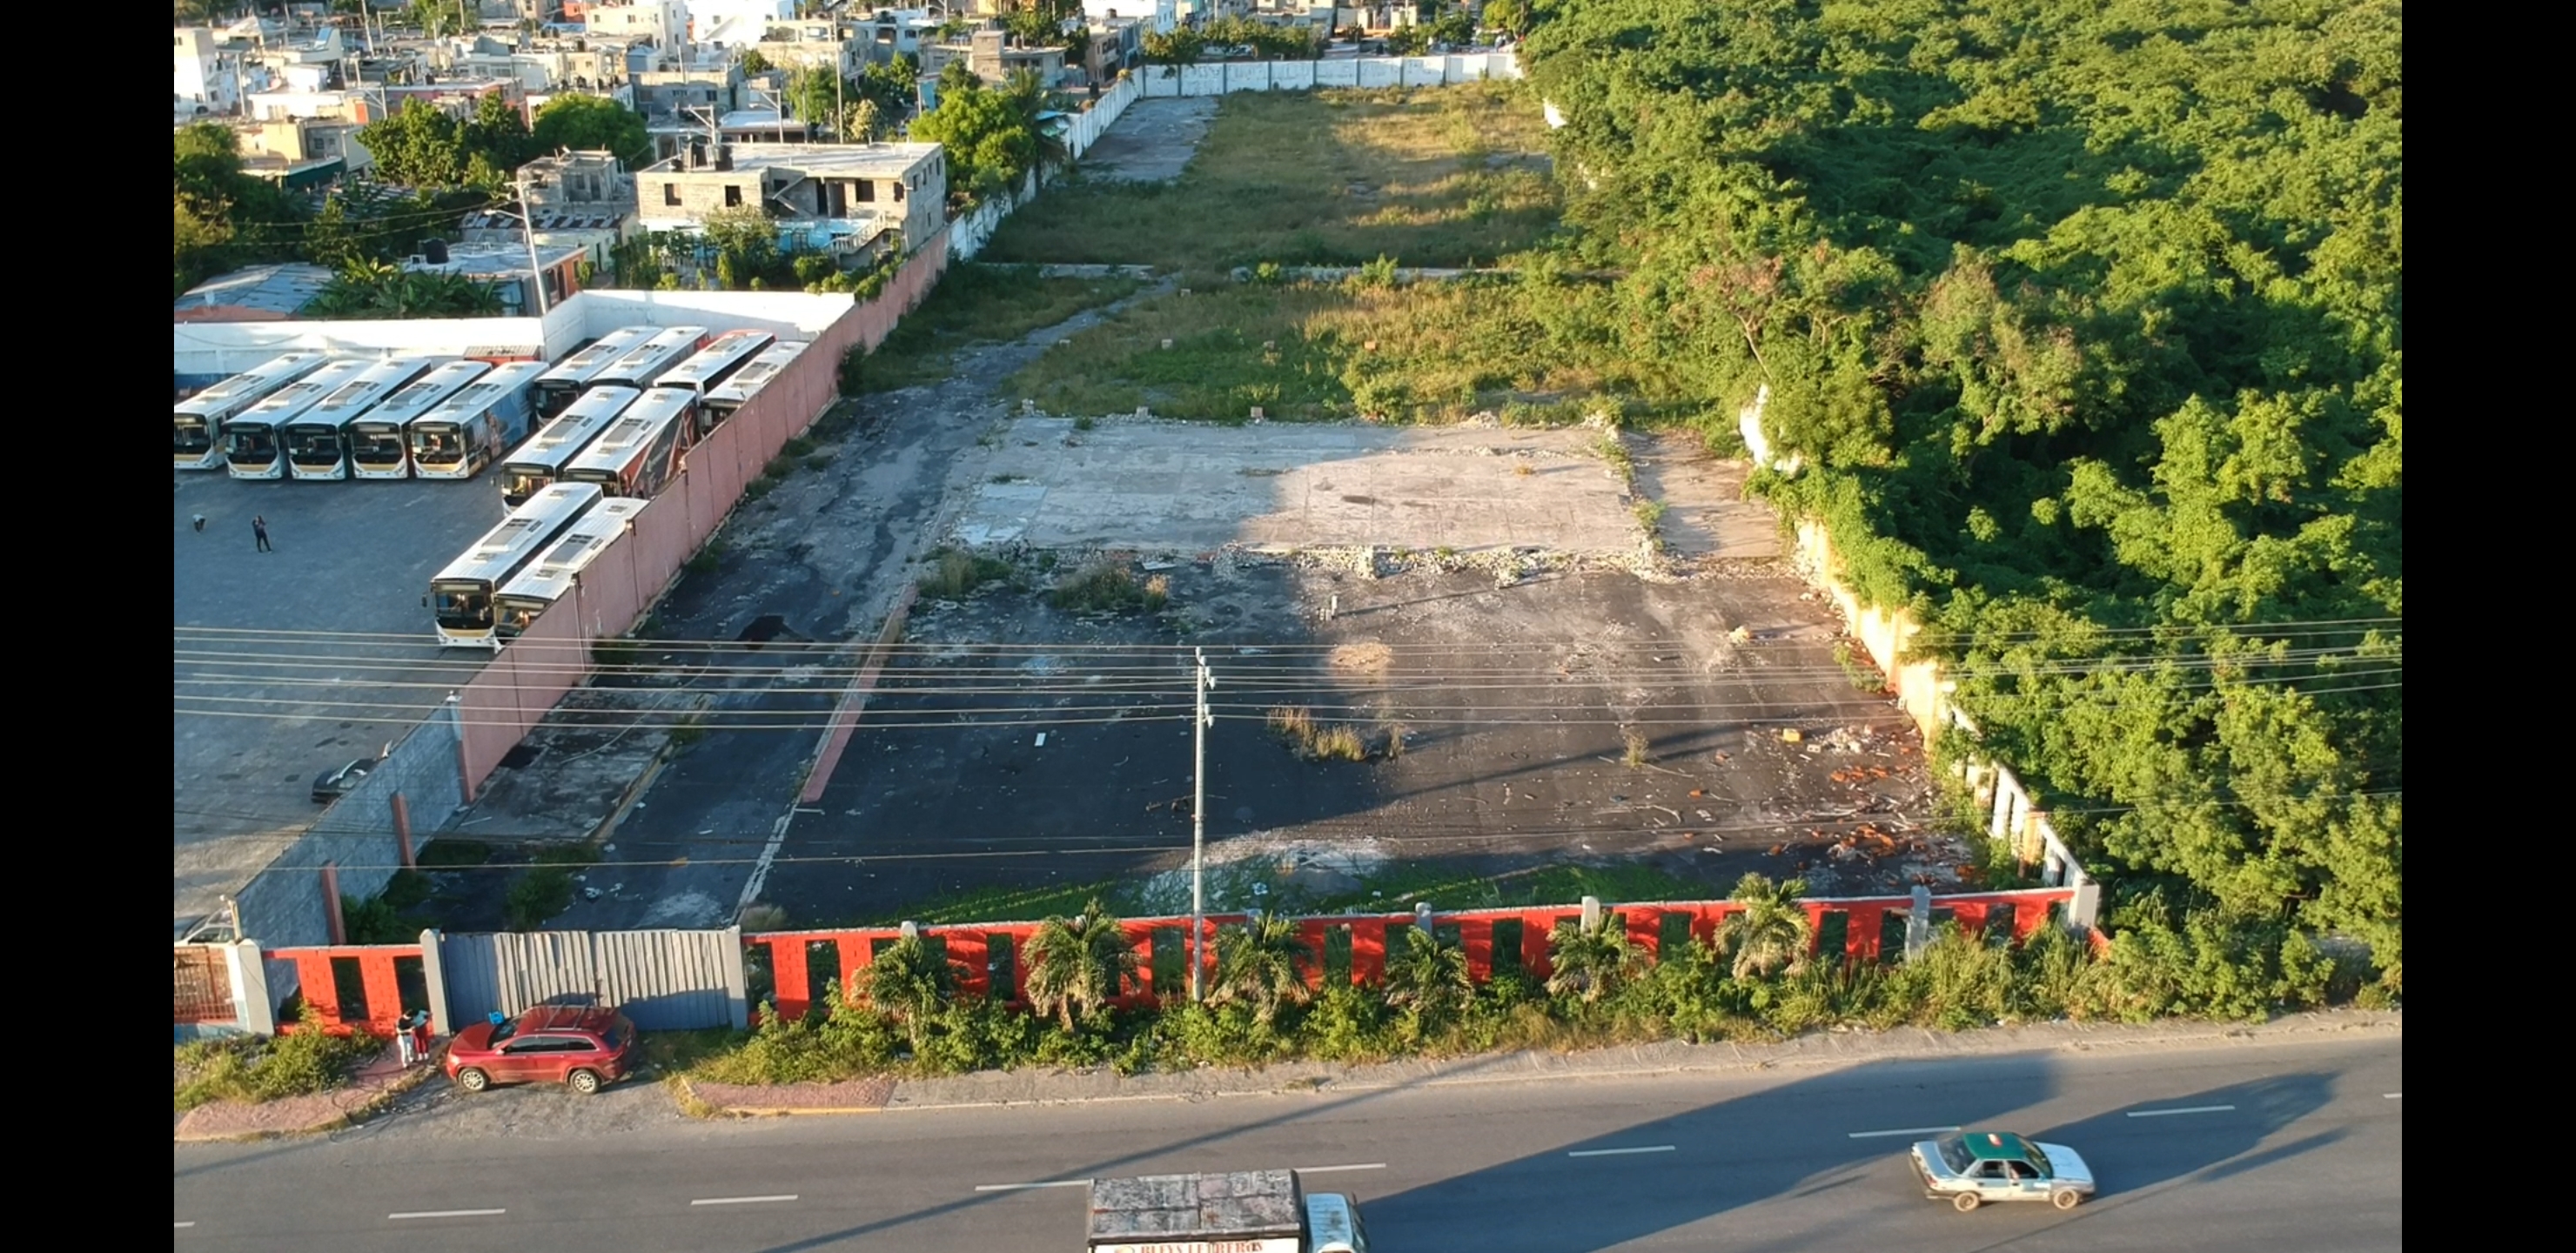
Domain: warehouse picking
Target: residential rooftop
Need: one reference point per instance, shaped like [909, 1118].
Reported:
[851, 160]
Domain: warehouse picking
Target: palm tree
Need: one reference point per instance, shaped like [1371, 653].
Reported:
[1767, 933]
[910, 981]
[1427, 979]
[1587, 962]
[1079, 965]
[1262, 963]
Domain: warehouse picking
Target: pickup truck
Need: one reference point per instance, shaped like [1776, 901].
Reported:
[1256, 1211]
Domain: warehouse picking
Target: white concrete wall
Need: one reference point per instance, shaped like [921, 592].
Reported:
[1211, 80]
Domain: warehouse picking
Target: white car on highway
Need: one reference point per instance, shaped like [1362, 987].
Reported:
[1968, 1169]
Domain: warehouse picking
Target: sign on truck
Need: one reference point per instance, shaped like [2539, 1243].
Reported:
[1256, 1211]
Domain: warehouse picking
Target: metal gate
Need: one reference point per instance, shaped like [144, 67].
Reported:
[201, 985]
[664, 980]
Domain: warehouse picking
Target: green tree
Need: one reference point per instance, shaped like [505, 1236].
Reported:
[381, 289]
[991, 138]
[1078, 965]
[437, 18]
[1511, 17]
[1427, 980]
[1767, 933]
[1262, 964]
[498, 133]
[911, 982]
[1588, 963]
[220, 215]
[892, 85]
[591, 124]
[754, 63]
[1180, 45]
[745, 240]
[814, 97]
[419, 145]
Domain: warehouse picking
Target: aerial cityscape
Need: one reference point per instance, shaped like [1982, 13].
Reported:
[1259, 626]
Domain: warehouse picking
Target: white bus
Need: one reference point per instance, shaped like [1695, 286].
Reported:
[745, 383]
[550, 577]
[197, 423]
[541, 460]
[461, 597]
[559, 387]
[379, 443]
[717, 361]
[640, 452]
[476, 425]
[645, 363]
[317, 440]
[255, 441]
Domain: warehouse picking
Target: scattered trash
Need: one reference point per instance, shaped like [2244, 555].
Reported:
[1042, 739]
[1792, 735]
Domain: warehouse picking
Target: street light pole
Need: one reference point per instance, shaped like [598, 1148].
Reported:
[528, 227]
[1198, 824]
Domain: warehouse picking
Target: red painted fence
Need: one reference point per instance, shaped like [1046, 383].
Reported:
[354, 987]
[800, 961]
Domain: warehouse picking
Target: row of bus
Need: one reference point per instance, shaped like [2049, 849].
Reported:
[493, 590]
[308, 415]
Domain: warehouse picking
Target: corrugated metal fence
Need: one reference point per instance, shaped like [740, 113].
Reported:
[664, 980]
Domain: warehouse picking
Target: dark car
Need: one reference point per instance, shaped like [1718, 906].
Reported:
[332, 784]
[582, 1046]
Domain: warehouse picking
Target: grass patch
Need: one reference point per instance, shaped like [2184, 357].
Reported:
[1439, 177]
[1111, 589]
[978, 304]
[1635, 748]
[442, 854]
[1315, 741]
[545, 889]
[251, 1069]
[1004, 904]
[954, 574]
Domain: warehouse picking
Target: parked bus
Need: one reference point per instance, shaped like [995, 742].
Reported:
[379, 442]
[541, 460]
[745, 383]
[317, 440]
[461, 597]
[197, 423]
[476, 425]
[717, 361]
[551, 576]
[645, 363]
[559, 387]
[255, 442]
[640, 452]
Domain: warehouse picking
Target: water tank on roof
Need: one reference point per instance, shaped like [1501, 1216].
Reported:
[433, 251]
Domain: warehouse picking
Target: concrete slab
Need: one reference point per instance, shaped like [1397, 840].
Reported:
[1705, 511]
[292, 661]
[1191, 487]
[1153, 140]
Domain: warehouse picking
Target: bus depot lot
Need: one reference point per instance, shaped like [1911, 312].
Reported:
[1515, 704]
[347, 661]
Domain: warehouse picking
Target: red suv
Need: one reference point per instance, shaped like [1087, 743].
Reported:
[581, 1045]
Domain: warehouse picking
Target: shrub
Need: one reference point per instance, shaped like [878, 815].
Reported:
[1109, 589]
[955, 574]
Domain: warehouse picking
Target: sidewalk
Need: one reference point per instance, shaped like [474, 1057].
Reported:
[994, 1089]
[378, 1080]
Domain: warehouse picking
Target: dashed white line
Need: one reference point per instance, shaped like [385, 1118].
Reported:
[1015, 1187]
[2187, 1109]
[176, 1225]
[1901, 1131]
[743, 1200]
[407, 1215]
[1649, 1148]
[2390, 1096]
[1327, 1170]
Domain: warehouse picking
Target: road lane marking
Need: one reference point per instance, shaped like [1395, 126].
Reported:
[1327, 1170]
[176, 1225]
[1901, 1131]
[2187, 1109]
[443, 1213]
[1015, 1187]
[1651, 1148]
[743, 1200]
[2390, 1096]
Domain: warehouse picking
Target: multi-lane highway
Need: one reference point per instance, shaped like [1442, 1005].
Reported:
[2281, 1147]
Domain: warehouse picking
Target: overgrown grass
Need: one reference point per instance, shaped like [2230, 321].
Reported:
[1441, 177]
[545, 888]
[1314, 741]
[1111, 589]
[977, 304]
[955, 574]
[253, 1068]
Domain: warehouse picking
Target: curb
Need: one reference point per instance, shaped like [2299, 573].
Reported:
[2301, 1030]
[374, 1103]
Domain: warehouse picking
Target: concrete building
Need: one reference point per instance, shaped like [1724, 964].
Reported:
[674, 95]
[503, 266]
[812, 44]
[205, 74]
[735, 23]
[662, 23]
[1158, 16]
[358, 107]
[259, 293]
[992, 55]
[1117, 43]
[837, 196]
[298, 144]
[889, 33]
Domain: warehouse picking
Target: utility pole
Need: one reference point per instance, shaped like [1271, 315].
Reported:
[528, 226]
[1198, 823]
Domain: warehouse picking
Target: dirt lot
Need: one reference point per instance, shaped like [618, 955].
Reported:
[1508, 723]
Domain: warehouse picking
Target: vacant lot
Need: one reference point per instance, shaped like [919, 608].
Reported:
[1444, 176]
[974, 306]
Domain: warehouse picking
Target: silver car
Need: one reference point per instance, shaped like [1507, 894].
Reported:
[1970, 1168]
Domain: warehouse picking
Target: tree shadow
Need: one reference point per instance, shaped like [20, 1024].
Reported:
[2140, 1148]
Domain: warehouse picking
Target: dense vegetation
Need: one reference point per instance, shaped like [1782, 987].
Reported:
[2085, 320]
[1750, 980]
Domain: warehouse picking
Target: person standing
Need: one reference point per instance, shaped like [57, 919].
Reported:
[406, 1045]
[259, 531]
[421, 1036]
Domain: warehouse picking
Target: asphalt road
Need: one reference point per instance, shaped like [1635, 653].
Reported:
[2278, 1147]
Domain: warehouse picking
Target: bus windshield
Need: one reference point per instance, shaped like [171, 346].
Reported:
[517, 612]
[437, 443]
[377, 446]
[523, 483]
[190, 435]
[313, 445]
[255, 443]
[461, 606]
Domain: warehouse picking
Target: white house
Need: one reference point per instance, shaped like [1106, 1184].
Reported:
[1159, 16]
[203, 73]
